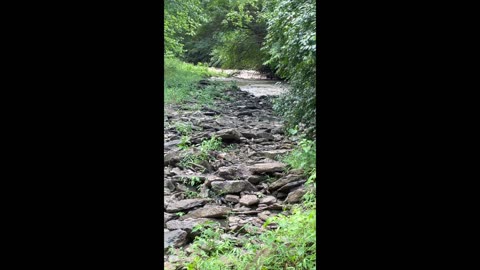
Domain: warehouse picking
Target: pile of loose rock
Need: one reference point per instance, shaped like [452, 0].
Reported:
[244, 184]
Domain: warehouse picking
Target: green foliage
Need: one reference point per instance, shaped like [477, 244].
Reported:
[230, 37]
[180, 80]
[291, 44]
[303, 157]
[202, 152]
[183, 128]
[291, 246]
[191, 194]
[192, 181]
[181, 18]
[184, 143]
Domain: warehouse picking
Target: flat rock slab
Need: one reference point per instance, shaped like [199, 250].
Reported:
[207, 212]
[185, 204]
[295, 196]
[232, 186]
[284, 180]
[186, 225]
[268, 200]
[176, 238]
[249, 200]
[171, 144]
[272, 153]
[267, 167]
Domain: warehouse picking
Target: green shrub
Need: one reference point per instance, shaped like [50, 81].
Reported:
[291, 44]
[291, 246]
[303, 157]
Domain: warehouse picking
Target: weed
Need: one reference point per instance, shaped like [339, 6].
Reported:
[191, 194]
[183, 128]
[304, 157]
[184, 143]
[192, 181]
[291, 246]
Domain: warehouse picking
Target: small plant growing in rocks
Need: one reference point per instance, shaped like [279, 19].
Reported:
[183, 128]
[184, 143]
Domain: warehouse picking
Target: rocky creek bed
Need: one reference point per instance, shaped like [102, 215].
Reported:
[244, 183]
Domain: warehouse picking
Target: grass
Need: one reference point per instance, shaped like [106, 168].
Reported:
[291, 246]
[180, 79]
[303, 157]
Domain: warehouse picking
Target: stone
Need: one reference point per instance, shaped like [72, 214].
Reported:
[272, 153]
[232, 186]
[268, 200]
[230, 134]
[296, 195]
[264, 215]
[172, 158]
[284, 180]
[209, 211]
[267, 167]
[227, 172]
[178, 206]
[185, 225]
[212, 178]
[232, 198]
[255, 179]
[168, 266]
[291, 185]
[167, 217]
[174, 239]
[249, 200]
[265, 135]
[171, 144]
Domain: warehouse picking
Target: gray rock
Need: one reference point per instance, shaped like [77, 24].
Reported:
[268, 200]
[233, 186]
[172, 158]
[175, 239]
[167, 217]
[227, 172]
[207, 212]
[296, 195]
[249, 200]
[168, 266]
[264, 215]
[230, 134]
[267, 167]
[185, 204]
[185, 225]
[255, 179]
[232, 198]
[272, 153]
[265, 135]
[283, 181]
[171, 144]
[291, 185]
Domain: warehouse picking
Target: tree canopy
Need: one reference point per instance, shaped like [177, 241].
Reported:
[279, 35]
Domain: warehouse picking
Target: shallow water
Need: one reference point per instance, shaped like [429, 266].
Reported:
[253, 82]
